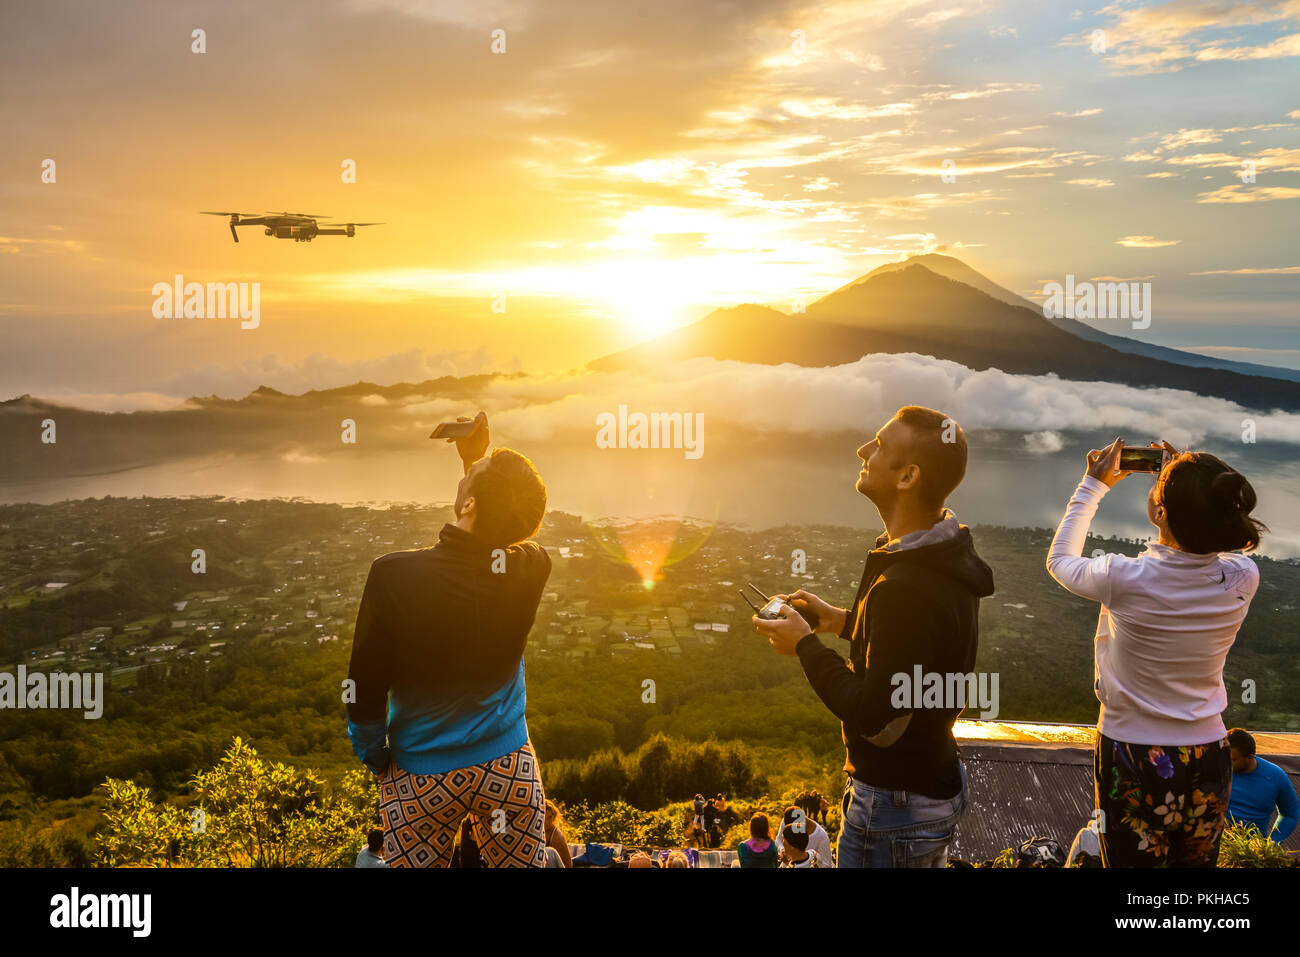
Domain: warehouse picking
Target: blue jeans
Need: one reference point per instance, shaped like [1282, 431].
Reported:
[883, 828]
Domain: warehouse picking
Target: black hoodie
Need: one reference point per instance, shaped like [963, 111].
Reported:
[915, 607]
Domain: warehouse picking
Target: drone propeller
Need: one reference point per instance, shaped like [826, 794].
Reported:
[304, 215]
[351, 224]
[234, 218]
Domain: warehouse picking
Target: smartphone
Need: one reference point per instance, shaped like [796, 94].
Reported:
[453, 430]
[1141, 459]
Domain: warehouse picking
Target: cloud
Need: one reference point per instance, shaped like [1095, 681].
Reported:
[1044, 443]
[786, 398]
[1277, 159]
[481, 14]
[935, 17]
[1182, 138]
[1281, 47]
[829, 106]
[918, 205]
[1145, 242]
[1095, 183]
[1167, 37]
[1248, 194]
[979, 93]
[27, 246]
[1261, 271]
[118, 401]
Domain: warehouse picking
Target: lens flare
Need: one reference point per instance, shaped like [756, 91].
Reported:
[650, 546]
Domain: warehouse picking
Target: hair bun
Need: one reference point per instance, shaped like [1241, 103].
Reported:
[1231, 488]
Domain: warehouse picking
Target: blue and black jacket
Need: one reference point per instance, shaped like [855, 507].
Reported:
[437, 658]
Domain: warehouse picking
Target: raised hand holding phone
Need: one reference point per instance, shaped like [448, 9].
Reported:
[1103, 464]
[470, 435]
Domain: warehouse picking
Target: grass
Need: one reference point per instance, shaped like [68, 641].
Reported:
[1245, 846]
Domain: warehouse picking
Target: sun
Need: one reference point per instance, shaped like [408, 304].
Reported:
[647, 314]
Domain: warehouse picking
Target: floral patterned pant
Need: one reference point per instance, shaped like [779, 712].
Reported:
[1162, 806]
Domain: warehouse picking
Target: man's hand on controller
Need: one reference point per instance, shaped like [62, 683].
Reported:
[829, 618]
[783, 633]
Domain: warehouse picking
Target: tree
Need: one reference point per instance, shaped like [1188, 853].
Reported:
[249, 813]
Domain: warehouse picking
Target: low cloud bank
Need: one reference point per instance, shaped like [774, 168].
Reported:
[861, 395]
[787, 398]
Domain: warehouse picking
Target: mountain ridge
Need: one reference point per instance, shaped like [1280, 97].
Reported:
[911, 308]
[952, 268]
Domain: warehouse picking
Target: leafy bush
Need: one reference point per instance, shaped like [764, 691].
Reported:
[1244, 846]
[24, 845]
[617, 822]
[247, 813]
[662, 770]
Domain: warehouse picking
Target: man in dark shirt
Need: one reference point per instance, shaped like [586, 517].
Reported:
[437, 673]
[914, 624]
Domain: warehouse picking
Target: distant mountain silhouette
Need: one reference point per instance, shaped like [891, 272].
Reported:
[955, 269]
[908, 307]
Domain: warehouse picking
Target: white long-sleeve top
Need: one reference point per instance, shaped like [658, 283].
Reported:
[1168, 618]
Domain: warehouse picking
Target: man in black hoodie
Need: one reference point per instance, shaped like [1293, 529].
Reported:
[915, 615]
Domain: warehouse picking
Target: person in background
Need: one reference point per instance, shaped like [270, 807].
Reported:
[678, 859]
[1259, 788]
[640, 859]
[697, 830]
[823, 806]
[724, 817]
[555, 839]
[1086, 849]
[797, 816]
[372, 855]
[1162, 769]
[795, 851]
[712, 832]
[760, 849]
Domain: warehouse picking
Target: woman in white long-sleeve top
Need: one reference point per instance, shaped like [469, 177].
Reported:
[1162, 768]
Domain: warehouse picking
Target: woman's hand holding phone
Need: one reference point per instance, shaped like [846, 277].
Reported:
[1103, 464]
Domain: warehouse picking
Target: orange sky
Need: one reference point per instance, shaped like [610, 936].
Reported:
[620, 169]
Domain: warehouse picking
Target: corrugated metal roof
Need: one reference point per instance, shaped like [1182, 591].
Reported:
[1019, 791]
[1046, 732]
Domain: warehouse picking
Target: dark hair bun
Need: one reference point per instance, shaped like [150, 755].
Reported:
[1233, 490]
[1208, 504]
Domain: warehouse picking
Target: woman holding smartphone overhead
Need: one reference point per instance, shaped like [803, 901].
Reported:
[1162, 769]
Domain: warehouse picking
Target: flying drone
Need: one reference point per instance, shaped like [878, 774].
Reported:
[300, 227]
